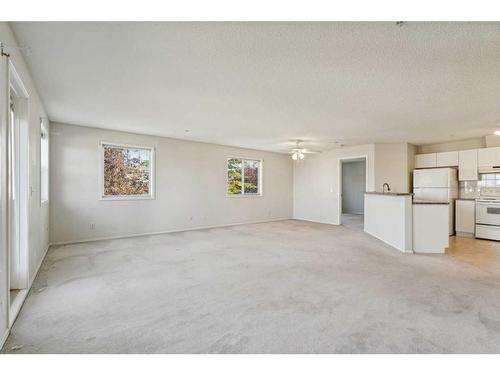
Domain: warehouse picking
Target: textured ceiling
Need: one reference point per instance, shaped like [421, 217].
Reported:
[259, 85]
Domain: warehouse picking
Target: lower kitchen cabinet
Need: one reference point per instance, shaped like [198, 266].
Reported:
[465, 217]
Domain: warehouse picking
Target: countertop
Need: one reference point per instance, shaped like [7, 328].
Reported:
[429, 202]
[388, 193]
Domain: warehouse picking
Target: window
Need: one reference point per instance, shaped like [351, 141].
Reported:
[489, 180]
[44, 162]
[127, 171]
[243, 177]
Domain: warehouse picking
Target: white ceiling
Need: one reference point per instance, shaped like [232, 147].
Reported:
[259, 85]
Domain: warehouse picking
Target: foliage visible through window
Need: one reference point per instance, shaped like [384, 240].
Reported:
[243, 176]
[127, 171]
[44, 162]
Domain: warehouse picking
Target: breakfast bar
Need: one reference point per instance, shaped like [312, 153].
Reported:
[388, 217]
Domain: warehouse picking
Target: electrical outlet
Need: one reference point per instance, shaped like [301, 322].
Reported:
[92, 226]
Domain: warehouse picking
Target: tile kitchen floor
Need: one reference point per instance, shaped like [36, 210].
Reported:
[483, 254]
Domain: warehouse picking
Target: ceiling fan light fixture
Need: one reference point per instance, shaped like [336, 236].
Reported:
[297, 155]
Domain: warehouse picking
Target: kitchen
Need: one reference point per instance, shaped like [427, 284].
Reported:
[454, 193]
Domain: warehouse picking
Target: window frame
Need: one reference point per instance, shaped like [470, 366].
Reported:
[260, 184]
[152, 186]
[44, 130]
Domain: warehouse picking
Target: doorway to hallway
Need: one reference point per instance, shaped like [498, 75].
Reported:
[353, 187]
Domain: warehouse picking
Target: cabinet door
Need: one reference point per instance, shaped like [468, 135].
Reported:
[464, 216]
[488, 157]
[425, 160]
[467, 165]
[447, 159]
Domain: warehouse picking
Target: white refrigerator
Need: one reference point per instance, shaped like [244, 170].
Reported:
[437, 185]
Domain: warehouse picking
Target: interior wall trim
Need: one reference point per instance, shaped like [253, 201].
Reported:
[165, 232]
[4, 338]
[316, 221]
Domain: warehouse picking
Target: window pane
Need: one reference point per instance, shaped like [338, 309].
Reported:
[251, 176]
[127, 171]
[234, 176]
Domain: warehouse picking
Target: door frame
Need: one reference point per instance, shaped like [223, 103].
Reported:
[21, 105]
[341, 160]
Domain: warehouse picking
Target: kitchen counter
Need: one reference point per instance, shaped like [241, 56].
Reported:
[388, 217]
[389, 193]
[430, 202]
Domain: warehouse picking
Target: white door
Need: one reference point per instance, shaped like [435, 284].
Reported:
[14, 200]
[4, 125]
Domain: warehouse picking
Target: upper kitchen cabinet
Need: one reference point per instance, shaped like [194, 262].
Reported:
[425, 161]
[447, 159]
[467, 165]
[488, 157]
[440, 159]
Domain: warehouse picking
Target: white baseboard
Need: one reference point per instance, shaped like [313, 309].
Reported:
[4, 338]
[388, 243]
[315, 221]
[24, 293]
[22, 297]
[16, 304]
[38, 267]
[165, 232]
[464, 234]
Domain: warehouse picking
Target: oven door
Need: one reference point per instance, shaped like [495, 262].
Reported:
[488, 213]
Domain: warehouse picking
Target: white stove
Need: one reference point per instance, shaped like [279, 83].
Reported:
[488, 214]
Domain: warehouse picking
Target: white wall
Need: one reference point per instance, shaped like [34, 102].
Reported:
[465, 144]
[412, 150]
[39, 215]
[316, 180]
[389, 218]
[190, 187]
[392, 165]
[491, 141]
[316, 183]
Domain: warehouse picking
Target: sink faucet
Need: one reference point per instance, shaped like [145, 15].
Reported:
[383, 187]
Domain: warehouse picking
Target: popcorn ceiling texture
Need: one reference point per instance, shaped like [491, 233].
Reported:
[261, 85]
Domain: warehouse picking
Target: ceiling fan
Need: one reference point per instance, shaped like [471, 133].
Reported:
[298, 153]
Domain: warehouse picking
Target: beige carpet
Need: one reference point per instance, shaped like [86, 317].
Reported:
[282, 287]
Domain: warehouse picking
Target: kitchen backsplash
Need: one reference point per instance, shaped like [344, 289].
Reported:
[472, 189]
[468, 189]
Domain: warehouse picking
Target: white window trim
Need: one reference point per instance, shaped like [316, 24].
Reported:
[247, 195]
[152, 186]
